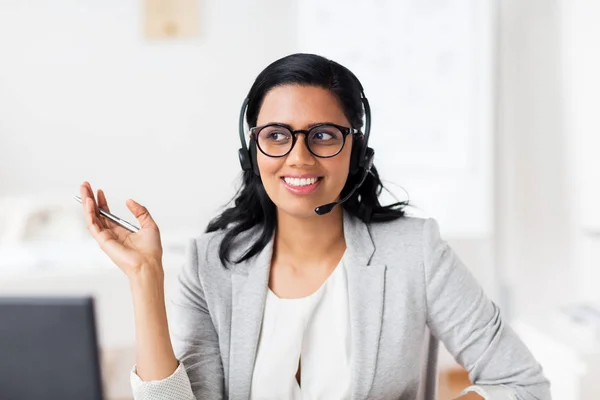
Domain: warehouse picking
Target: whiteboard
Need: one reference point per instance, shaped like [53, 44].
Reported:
[426, 67]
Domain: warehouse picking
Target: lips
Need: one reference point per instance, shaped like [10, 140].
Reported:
[301, 186]
[297, 181]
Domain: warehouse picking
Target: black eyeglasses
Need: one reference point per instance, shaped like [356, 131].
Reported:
[322, 140]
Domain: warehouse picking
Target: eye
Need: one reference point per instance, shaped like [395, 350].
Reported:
[322, 136]
[277, 136]
[274, 135]
[325, 135]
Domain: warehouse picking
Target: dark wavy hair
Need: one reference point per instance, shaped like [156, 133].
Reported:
[252, 206]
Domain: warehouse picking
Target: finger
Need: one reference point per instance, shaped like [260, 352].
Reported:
[102, 203]
[141, 214]
[117, 229]
[84, 194]
[94, 203]
[87, 195]
[101, 222]
[88, 189]
[91, 219]
[91, 209]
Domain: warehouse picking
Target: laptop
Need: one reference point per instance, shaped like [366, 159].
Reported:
[48, 349]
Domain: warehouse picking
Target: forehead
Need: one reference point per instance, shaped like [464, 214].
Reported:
[300, 106]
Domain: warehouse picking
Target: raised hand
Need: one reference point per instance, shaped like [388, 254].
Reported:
[131, 252]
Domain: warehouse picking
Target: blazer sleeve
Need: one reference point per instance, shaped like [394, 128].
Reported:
[195, 343]
[471, 327]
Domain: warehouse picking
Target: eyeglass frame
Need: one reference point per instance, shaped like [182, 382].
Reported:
[255, 131]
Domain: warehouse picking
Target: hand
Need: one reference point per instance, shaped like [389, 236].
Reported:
[131, 252]
[470, 396]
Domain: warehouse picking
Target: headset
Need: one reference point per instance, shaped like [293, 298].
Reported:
[361, 159]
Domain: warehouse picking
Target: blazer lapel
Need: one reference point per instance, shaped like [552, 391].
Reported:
[365, 292]
[249, 283]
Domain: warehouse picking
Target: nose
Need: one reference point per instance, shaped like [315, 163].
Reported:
[300, 155]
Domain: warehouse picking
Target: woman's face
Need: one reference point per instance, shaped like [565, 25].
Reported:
[300, 107]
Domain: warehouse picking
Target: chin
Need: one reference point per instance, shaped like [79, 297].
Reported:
[298, 211]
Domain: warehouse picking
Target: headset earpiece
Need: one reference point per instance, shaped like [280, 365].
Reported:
[243, 153]
[357, 144]
[362, 155]
[252, 150]
[245, 162]
[368, 159]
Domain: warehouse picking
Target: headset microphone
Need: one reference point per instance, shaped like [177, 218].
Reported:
[324, 209]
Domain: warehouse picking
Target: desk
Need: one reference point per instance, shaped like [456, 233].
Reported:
[569, 354]
[116, 365]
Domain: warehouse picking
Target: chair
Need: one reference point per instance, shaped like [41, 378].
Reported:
[429, 373]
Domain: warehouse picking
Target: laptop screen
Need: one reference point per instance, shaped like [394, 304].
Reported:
[48, 349]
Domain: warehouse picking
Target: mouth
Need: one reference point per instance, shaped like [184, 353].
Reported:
[301, 185]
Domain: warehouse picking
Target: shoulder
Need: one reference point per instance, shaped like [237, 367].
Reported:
[405, 229]
[207, 246]
[407, 235]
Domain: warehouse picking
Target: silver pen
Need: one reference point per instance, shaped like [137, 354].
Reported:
[114, 218]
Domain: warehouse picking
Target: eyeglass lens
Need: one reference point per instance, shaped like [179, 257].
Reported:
[323, 141]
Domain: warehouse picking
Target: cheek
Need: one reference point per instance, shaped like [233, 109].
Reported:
[342, 161]
[268, 165]
[337, 168]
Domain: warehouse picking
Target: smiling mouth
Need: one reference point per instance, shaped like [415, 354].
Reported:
[301, 186]
[301, 182]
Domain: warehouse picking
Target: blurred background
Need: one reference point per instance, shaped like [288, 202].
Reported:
[485, 114]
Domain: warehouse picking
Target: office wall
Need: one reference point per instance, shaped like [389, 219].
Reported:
[85, 97]
[581, 63]
[534, 200]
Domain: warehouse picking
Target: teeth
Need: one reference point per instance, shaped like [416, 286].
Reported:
[300, 181]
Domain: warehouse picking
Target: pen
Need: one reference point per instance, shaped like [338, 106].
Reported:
[114, 218]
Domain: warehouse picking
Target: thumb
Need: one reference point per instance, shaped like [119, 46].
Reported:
[141, 213]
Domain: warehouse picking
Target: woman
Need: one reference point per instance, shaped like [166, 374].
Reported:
[278, 302]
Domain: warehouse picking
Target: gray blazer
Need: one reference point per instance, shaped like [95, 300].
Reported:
[403, 279]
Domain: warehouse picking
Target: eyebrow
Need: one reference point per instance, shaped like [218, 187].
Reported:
[308, 127]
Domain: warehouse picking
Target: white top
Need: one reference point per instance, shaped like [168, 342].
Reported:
[313, 329]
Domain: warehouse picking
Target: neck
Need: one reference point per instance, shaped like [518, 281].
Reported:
[310, 241]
